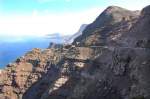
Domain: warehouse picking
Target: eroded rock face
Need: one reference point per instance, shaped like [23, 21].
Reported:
[111, 64]
[146, 10]
[108, 27]
[19, 76]
[139, 36]
[120, 73]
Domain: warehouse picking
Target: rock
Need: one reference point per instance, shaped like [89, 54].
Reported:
[138, 36]
[112, 61]
[146, 10]
[113, 21]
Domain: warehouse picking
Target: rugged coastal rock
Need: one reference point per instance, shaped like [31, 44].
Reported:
[139, 36]
[19, 76]
[108, 27]
[114, 66]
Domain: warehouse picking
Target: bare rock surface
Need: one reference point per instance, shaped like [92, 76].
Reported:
[108, 26]
[111, 61]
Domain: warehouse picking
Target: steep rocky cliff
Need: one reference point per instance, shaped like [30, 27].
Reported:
[139, 35]
[19, 76]
[114, 66]
[108, 27]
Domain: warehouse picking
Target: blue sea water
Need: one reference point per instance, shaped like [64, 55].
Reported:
[10, 51]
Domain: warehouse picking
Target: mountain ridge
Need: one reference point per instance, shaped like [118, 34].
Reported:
[77, 34]
[106, 64]
[110, 18]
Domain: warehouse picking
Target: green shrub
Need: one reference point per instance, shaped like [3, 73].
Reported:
[138, 97]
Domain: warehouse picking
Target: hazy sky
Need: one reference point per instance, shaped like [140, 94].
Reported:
[40, 17]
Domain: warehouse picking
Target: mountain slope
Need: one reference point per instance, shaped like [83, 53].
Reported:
[97, 71]
[111, 20]
[72, 37]
[139, 35]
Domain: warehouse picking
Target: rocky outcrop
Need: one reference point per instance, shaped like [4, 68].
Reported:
[107, 73]
[19, 76]
[109, 26]
[115, 74]
[139, 36]
[114, 66]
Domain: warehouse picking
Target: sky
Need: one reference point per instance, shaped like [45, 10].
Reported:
[19, 18]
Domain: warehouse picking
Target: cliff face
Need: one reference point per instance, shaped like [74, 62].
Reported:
[115, 66]
[19, 76]
[139, 36]
[109, 26]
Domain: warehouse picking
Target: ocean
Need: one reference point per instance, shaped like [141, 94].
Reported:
[10, 51]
